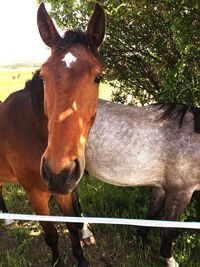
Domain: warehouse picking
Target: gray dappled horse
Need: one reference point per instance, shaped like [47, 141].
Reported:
[156, 146]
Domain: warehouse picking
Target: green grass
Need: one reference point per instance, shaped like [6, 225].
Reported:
[97, 199]
[10, 80]
[22, 244]
[105, 91]
[103, 200]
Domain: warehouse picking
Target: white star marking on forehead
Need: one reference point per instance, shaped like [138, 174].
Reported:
[69, 59]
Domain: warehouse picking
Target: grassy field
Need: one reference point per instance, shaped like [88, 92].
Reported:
[12, 80]
[22, 244]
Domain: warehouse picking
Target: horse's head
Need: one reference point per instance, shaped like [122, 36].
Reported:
[71, 79]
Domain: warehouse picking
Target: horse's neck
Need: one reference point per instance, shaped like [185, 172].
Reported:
[20, 106]
[40, 123]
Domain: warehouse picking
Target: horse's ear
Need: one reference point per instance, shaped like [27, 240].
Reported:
[46, 27]
[96, 25]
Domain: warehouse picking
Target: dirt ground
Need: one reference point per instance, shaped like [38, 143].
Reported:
[36, 253]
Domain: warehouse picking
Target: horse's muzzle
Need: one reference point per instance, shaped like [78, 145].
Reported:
[64, 182]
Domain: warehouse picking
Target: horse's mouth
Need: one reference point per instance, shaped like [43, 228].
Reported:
[64, 190]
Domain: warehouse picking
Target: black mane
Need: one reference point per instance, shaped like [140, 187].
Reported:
[35, 88]
[179, 111]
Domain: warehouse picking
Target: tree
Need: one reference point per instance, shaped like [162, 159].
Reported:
[151, 50]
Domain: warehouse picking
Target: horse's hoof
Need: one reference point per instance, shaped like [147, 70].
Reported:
[89, 241]
[87, 236]
[83, 263]
[171, 262]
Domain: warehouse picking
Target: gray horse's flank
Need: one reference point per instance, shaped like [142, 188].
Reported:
[134, 146]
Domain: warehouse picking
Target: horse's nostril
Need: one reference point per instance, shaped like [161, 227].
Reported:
[71, 173]
[45, 170]
[77, 168]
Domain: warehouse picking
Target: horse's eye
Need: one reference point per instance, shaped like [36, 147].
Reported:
[98, 78]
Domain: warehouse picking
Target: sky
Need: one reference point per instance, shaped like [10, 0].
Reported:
[19, 37]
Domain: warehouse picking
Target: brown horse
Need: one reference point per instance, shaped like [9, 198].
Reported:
[50, 127]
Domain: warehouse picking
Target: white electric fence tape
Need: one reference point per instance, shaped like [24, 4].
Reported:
[96, 220]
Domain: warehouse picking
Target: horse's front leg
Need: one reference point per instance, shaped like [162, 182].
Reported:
[87, 235]
[70, 207]
[156, 204]
[175, 203]
[39, 203]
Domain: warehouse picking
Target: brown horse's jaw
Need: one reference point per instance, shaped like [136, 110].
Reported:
[64, 182]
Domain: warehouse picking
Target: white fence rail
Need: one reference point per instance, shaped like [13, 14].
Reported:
[97, 220]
